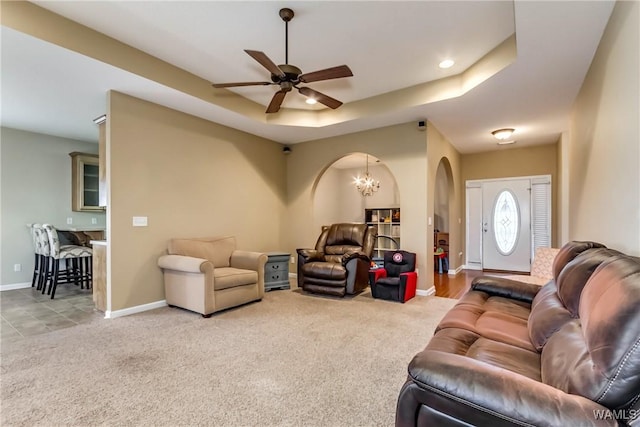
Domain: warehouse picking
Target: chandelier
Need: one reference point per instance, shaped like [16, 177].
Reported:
[366, 185]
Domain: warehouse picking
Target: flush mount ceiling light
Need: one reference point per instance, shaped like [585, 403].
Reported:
[512, 141]
[503, 134]
[447, 63]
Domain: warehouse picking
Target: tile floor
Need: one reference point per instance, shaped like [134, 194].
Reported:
[26, 312]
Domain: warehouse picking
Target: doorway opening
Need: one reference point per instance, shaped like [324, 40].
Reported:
[507, 219]
[444, 196]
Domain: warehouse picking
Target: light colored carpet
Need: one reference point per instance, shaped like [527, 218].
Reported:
[292, 359]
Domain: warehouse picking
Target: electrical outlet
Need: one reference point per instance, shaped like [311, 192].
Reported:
[17, 267]
[94, 221]
[69, 220]
[292, 260]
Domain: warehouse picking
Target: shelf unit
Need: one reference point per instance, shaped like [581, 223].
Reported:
[387, 221]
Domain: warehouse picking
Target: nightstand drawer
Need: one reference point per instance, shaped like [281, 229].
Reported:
[276, 266]
[276, 276]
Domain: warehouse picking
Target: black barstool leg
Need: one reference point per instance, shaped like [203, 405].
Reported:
[77, 272]
[54, 278]
[45, 274]
[36, 267]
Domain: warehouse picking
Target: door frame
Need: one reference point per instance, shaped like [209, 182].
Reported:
[473, 253]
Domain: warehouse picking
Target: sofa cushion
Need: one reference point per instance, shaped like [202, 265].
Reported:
[229, 277]
[568, 252]
[598, 355]
[548, 314]
[557, 302]
[575, 274]
[493, 317]
[215, 249]
[325, 270]
[475, 346]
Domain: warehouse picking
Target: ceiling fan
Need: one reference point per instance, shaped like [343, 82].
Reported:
[288, 76]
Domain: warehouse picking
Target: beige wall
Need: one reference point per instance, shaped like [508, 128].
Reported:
[509, 162]
[190, 177]
[604, 151]
[440, 151]
[402, 149]
[35, 187]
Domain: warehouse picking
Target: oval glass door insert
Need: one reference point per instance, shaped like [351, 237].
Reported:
[506, 222]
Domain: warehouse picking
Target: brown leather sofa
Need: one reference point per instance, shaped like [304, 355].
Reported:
[512, 353]
[340, 262]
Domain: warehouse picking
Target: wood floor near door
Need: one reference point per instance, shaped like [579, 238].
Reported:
[454, 286]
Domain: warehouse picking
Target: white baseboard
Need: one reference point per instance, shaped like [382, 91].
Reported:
[13, 286]
[427, 292]
[133, 310]
[471, 267]
[455, 272]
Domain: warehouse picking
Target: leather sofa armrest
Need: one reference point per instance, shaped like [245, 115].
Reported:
[309, 255]
[499, 286]
[248, 260]
[185, 264]
[355, 255]
[477, 392]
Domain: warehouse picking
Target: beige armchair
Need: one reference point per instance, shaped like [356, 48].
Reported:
[208, 275]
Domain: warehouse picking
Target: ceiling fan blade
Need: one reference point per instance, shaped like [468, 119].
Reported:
[221, 85]
[276, 101]
[326, 74]
[320, 97]
[265, 62]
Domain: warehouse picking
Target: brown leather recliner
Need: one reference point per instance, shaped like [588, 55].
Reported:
[340, 262]
[512, 353]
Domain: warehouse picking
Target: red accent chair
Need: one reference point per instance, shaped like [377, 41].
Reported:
[397, 280]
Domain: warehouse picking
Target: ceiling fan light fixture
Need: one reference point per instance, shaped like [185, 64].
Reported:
[289, 76]
[311, 101]
[447, 63]
[503, 134]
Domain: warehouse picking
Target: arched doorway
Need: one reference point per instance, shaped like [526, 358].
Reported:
[443, 222]
[336, 199]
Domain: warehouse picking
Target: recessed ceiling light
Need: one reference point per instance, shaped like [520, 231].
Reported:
[503, 134]
[310, 101]
[447, 63]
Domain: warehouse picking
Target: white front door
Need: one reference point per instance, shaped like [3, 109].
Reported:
[506, 225]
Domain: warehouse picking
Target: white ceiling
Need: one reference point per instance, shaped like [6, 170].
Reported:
[388, 45]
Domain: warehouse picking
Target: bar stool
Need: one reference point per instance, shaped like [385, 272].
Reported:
[41, 260]
[78, 260]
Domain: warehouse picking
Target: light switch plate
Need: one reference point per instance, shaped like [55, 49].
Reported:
[139, 221]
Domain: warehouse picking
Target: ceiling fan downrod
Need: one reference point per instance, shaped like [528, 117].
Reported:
[287, 15]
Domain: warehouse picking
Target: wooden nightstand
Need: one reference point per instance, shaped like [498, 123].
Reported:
[276, 271]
